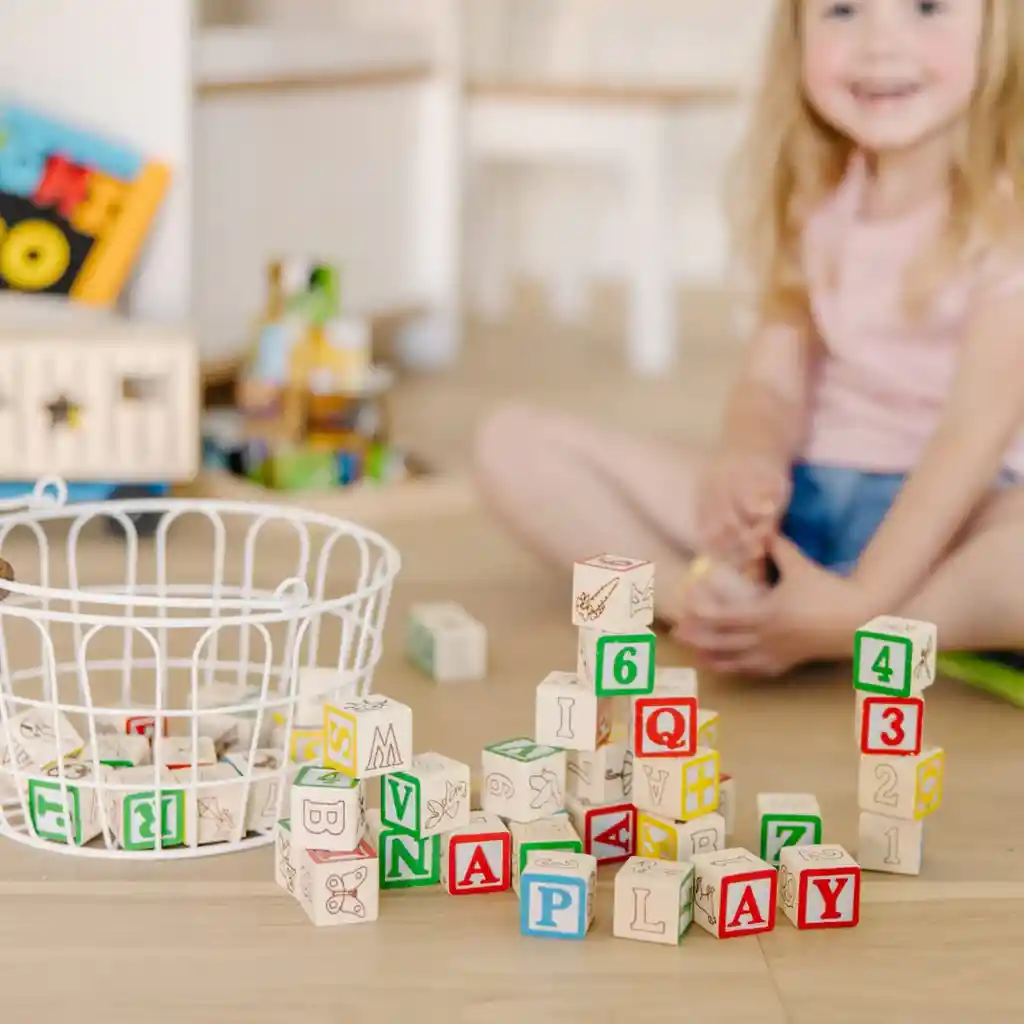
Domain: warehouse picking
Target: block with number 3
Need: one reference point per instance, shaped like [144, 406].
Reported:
[891, 725]
[894, 657]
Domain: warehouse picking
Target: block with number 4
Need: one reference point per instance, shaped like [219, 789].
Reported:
[616, 664]
[907, 787]
[612, 592]
[889, 845]
[430, 798]
[734, 893]
[891, 725]
[569, 714]
[680, 788]
[328, 810]
[554, 833]
[556, 896]
[786, 819]
[819, 886]
[653, 900]
[894, 657]
[522, 780]
[665, 839]
[368, 737]
[608, 831]
[664, 725]
[477, 858]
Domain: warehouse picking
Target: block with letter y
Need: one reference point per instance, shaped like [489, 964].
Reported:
[819, 886]
[556, 894]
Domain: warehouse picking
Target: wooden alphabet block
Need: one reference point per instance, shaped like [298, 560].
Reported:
[819, 886]
[117, 751]
[787, 819]
[727, 802]
[522, 780]
[339, 888]
[305, 745]
[894, 657]
[556, 896]
[477, 858]
[328, 810]
[859, 697]
[613, 593]
[734, 893]
[653, 900]
[285, 858]
[708, 728]
[368, 737]
[664, 725]
[222, 716]
[148, 811]
[891, 725]
[891, 845]
[179, 752]
[597, 775]
[220, 804]
[664, 839]
[265, 790]
[570, 715]
[316, 687]
[405, 861]
[675, 681]
[37, 738]
[680, 788]
[446, 643]
[908, 786]
[608, 831]
[131, 723]
[616, 664]
[554, 833]
[64, 806]
[430, 798]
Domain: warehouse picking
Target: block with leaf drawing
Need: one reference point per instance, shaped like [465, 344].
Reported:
[522, 780]
[368, 736]
[611, 592]
[429, 798]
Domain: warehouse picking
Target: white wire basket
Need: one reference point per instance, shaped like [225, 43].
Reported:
[154, 690]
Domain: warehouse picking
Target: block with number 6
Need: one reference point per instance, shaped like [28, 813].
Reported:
[907, 787]
[894, 657]
[616, 664]
[819, 886]
[891, 725]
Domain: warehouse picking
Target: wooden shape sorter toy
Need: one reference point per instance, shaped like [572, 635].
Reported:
[554, 833]
[613, 593]
[653, 900]
[908, 786]
[430, 798]
[522, 780]
[786, 819]
[891, 725]
[339, 888]
[477, 858]
[616, 664]
[608, 831]
[894, 657]
[368, 737]
[446, 643]
[734, 893]
[405, 861]
[328, 810]
[819, 886]
[680, 788]
[556, 897]
[665, 839]
[569, 714]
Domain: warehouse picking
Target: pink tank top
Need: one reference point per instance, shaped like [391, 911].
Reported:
[881, 386]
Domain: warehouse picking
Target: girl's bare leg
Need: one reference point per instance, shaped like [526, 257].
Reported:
[570, 489]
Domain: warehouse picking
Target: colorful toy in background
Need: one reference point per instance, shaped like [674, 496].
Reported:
[311, 406]
[75, 208]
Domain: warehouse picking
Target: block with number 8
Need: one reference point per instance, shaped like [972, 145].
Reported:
[616, 664]
[907, 787]
[891, 725]
[894, 657]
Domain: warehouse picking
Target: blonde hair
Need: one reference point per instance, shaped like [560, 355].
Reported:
[791, 159]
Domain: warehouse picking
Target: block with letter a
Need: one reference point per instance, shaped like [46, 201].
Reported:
[734, 893]
[368, 736]
[477, 858]
[608, 831]
[653, 900]
[891, 725]
[819, 886]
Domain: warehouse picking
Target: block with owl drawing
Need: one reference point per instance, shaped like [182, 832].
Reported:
[338, 888]
[430, 798]
[613, 593]
[522, 780]
[328, 810]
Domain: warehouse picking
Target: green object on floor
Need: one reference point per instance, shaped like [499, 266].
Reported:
[985, 673]
[302, 469]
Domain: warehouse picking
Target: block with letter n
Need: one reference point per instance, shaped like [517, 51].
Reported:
[616, 664]
[819, 886]
[477, 858]
[894, 657]
[406, 862]
[429, 799]
[787, 819]
[653, 900]
[734, 893]
[556, 897]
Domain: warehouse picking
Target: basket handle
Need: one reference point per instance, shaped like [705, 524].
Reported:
[48, 492]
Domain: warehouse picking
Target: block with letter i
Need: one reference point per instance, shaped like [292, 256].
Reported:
[552, 834]
[405, 861]
[431, 798]
[368, 736]
[522, 780]
[734, 893]
[570, 715]
[611, 592]
[787, 819]
[608, 831]
[328, 810]
[819, 886]
[894, 657]
[653, 900]
[556, 897]
[477, 858]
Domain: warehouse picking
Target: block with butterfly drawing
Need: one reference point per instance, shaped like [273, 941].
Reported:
[569, 714]
[339, 888]
[554, 833]
[819, 886]
[404, 861]
[613, 593]
[368, 736]
[680, 788]
[616, 664]
[477, 858]
[328, 810]
[734, 893]
[430, 798]
[522, 780]
[894, 657]
[608, 831]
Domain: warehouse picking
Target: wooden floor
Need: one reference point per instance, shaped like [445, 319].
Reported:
[216, 941]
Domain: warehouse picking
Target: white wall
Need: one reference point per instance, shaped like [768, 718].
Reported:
[122, 67]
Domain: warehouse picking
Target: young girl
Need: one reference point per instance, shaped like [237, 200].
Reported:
[873, 446]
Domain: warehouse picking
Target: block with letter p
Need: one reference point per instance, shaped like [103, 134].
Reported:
[556, 897]
[368, 736]
[734, 893]
[819, 886]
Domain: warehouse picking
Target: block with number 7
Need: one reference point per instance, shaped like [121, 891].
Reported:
[894, 657]
[616, 664]
[892, 725]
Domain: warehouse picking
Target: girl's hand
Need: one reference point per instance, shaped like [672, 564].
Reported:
[740, 502]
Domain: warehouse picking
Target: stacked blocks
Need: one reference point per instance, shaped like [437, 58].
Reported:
[900, 781]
